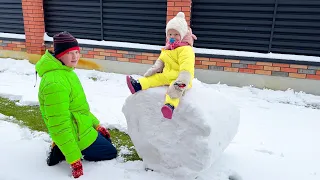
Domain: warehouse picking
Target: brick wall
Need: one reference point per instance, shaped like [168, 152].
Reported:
[33, 18]
[175, 6]
[116, 55]
[12, 45]
[256, 67]
[119, 55]
[207, 63]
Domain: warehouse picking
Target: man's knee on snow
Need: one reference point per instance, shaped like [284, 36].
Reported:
[113, 152]
[101, 149]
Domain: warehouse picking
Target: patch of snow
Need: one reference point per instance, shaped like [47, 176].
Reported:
[12, 35]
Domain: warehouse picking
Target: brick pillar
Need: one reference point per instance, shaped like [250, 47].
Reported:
[33, 17]
[175, 6]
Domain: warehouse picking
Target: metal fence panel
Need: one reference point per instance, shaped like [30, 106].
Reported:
[11, 17]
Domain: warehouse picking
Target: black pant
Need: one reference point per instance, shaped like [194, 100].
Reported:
[100, 149]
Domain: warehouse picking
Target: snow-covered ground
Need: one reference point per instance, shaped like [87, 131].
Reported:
[278, 136]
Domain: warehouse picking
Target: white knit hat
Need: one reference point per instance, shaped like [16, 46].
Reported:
[178, 23]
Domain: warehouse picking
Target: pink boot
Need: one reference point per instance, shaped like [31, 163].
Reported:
[167, 111]
[133, 85]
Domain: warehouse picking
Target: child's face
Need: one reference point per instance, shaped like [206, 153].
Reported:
[172, 33]
[71, 58]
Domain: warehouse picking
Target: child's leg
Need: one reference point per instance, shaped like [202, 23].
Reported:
[101, 149]
[144, 83]
[171, 102]
[155, 80]
[169, 105]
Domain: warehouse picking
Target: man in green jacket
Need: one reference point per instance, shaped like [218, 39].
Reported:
[74, 130]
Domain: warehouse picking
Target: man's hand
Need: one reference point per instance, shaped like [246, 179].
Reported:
[103, 131]
[77, 169]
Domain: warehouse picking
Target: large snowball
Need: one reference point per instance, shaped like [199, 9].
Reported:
[203, 125]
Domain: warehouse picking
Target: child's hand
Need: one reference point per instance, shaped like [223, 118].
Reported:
[177, 88]
[150, 72]
[183, 80]
[156, 68]
[180, 85]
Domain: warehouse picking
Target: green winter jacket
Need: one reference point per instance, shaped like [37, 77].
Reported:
[64, 108]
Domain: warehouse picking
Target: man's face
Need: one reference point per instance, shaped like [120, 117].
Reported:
[71, 58]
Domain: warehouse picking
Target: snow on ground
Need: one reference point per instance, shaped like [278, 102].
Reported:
[23, 155]
[278, 135]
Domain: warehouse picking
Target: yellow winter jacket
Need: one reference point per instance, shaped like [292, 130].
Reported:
[177, 60]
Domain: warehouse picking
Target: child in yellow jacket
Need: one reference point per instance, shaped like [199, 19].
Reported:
[174, 67]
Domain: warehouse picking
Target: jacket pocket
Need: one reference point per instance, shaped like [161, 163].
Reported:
[83, 123]
[75, 125]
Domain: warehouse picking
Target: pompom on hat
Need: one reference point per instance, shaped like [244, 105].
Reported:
[178, 23]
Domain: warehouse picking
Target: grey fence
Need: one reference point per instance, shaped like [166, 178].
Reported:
[278, 26]
[11, 16]
[138, 21]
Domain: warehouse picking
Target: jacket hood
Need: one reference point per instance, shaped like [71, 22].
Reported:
[49, 63]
